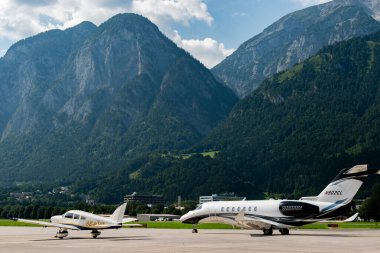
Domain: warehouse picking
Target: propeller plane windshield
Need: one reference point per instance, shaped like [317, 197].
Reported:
[80, 220]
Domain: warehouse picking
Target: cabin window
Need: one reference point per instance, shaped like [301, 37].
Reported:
[244, 209]
[233, 209]
[238, 209]
[249, 209]
[76, 216]
[69, 215]
[227, 209]
[255, 208]
[222, 209]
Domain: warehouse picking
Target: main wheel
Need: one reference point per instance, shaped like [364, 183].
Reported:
[284, 231]
[268, 231]
[95, 234]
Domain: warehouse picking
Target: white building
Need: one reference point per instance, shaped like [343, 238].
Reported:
[222, 197]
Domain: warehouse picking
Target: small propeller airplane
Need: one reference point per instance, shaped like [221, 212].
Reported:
[80, 220]
[267, 215]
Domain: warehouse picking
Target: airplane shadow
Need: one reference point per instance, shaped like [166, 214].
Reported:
[119, 238]
[291, 234]
[308, 235]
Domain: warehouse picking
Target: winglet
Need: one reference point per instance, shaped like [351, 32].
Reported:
[352, 218]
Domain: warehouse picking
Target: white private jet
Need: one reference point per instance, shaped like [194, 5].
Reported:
[80, 220]
[268, 215]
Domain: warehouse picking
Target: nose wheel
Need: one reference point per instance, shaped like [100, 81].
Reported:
[61, 233]
[195, 230]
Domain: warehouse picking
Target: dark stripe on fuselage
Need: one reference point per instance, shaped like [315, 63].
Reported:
[87, 228]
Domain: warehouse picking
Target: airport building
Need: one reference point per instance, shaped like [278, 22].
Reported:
[149, 200]
[222, 197]
[157, 217]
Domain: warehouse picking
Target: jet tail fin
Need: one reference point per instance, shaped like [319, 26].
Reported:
[118, 214]
[344, 186]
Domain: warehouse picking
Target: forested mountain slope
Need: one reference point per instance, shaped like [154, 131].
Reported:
[291, 136]
[302, 125]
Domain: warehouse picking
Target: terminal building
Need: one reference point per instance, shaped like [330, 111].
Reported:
[222, 197]
[157, 217]
[148, 200]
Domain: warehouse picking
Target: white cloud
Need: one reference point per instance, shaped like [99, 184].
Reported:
[311, 2]
[23, 18]
[209, 51]
[176, 10]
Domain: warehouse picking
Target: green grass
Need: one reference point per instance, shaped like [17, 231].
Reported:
[179, 225]
[151, 224]
[11, 223]
[344, 225]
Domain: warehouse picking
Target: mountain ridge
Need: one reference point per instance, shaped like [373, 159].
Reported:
[292, 39]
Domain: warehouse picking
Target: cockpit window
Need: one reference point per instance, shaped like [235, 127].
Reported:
[68, 215]
[76, 216]
[199, 207]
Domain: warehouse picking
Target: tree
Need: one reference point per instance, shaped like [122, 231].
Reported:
[371, 206]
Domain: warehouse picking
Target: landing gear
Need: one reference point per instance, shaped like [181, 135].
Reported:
[284, 231]
[95, 233]
[61, 233]
[195, 230]
[268, 231]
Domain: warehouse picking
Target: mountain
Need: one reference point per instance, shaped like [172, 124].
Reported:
[294, 38]
[371, 6]
[80, 101]
[301, 126]
[287, 139]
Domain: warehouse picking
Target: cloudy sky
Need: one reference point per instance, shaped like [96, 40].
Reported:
[209, 29]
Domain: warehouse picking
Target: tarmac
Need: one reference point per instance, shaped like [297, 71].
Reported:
[35, 239]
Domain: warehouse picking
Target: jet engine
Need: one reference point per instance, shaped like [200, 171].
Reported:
[298, 209]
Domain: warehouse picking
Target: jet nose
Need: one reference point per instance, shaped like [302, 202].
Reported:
[183, 218]
[186, 218]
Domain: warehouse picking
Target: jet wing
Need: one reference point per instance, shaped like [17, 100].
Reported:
[218, 219]
[46, 224]
[125, 220]
[132, 225]
[350, 219]
[254, 222]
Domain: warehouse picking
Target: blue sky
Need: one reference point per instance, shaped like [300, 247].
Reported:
[209, 29]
